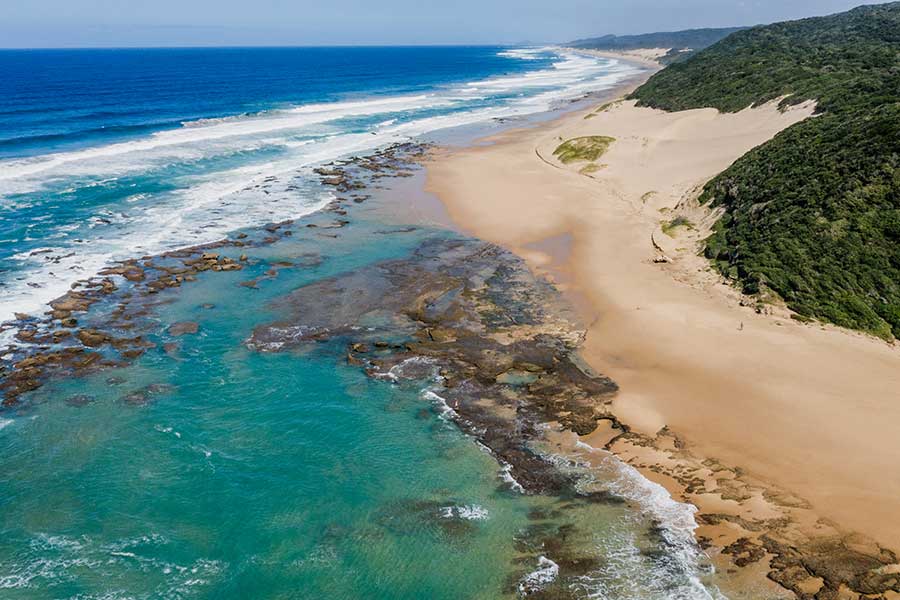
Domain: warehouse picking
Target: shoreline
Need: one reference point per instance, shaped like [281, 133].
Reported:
[647, 58]
[23, 333]
[562, 250]
[752, 418]
[508, 428]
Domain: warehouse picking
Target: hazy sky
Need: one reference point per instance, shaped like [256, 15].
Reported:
[53, 23]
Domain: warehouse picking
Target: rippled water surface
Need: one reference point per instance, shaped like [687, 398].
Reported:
[111, 153]
[205, 469]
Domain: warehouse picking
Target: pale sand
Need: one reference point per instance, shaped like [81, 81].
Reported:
[812, 410]
[646, 56]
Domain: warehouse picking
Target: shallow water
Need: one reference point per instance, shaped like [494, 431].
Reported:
[116, 153]
[240, 474]
[207, 470]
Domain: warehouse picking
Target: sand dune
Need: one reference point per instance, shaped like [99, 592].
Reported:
[807, 409]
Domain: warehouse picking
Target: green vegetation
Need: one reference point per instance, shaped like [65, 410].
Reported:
[669, 227]
[814, 214]
[603, 108]
[682, 43]
[590, 169]
[583, 149]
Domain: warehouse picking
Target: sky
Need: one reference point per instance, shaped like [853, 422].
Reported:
[117, 23]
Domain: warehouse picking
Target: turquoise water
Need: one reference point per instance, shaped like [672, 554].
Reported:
[249, 475]
[108, 154]
[206, 470]
[255, 475]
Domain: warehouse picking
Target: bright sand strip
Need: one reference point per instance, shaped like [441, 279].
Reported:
[809, 409]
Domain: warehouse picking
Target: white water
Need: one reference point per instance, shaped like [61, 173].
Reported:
[678, 575]
[265, 173]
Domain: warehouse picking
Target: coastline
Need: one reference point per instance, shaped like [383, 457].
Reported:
[123, 318]
[780, 433]
[556, 234]
[647, 58]
[510, 405]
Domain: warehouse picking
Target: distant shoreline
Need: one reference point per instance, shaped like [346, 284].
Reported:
[646, 57]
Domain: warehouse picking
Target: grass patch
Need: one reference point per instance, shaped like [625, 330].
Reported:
[583, 149]
[590, 168]
[606, 107]
[601, 109]
[669, 227]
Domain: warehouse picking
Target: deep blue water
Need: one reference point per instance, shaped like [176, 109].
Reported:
[105, 154]
[252, 475]
[61, 99]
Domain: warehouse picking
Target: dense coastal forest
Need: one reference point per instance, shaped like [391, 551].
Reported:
[814, 214]
[681, 43]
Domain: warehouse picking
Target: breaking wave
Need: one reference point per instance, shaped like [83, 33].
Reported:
[194, 184]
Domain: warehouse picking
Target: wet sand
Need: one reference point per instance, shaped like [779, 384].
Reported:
[765, 424]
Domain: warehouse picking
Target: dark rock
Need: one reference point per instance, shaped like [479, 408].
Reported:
[92, 338]
[184, 328]
[80, 400]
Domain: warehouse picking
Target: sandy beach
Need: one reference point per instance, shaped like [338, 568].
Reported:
[774, 429]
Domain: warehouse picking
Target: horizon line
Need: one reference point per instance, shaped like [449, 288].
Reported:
[286, 46]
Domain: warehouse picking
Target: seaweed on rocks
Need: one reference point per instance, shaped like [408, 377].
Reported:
[496, 347]
[58, 345]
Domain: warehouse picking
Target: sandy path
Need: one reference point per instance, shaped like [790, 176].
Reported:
[813, 410]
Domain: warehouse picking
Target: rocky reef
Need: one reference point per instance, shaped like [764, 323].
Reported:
[496, 351]
[497, 343]
[69, 341]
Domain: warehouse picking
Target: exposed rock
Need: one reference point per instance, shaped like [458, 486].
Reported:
[92, 338]
[184, 328]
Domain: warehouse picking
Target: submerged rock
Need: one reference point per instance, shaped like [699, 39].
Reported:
[80, 400]
[184, 328]
[472, 316]
[495, 348]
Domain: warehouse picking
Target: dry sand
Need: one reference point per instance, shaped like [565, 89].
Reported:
[769, 418]
[645, 56]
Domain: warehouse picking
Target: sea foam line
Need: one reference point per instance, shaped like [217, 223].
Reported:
[677, 526]
[209, 205]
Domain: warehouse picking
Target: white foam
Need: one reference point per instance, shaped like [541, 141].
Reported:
[540, 578]
[680, 576]
[172, 141]
[469, 512]
[55, 560]
[4, 423]
[523, 53]
[506, 476]
[208, 205]
[444, 410]
[414, 368]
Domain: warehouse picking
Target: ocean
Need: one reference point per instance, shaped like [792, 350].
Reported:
[116, 153]
[203, 468]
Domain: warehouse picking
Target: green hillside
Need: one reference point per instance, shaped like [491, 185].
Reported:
[814, 214]
[682, 43]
